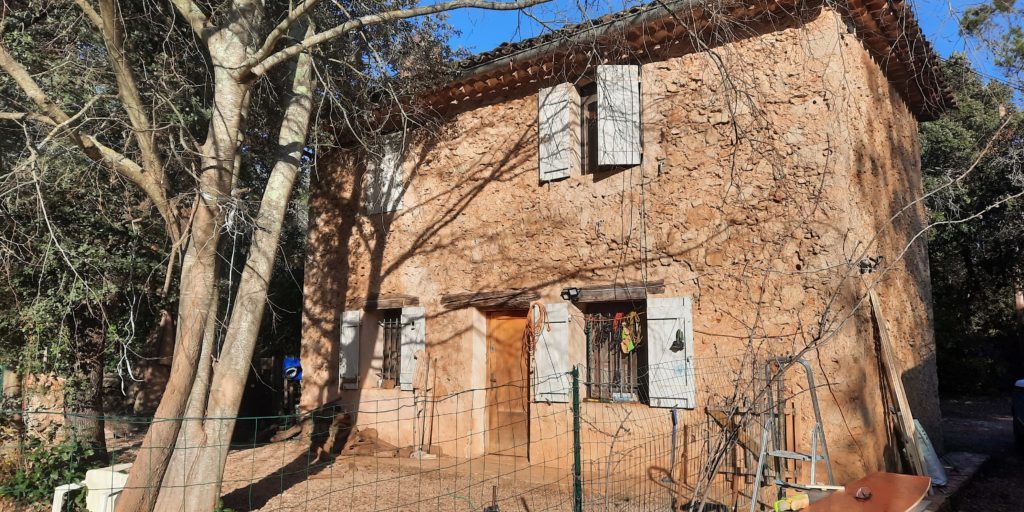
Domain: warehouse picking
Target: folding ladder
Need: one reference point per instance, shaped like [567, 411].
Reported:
[773, 435]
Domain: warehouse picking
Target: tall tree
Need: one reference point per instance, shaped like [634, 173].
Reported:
[172, 98]
[972, 158]
[999, 26]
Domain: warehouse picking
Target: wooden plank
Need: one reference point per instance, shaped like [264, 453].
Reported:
[618, 115]
[519, 298]
[384, 301]
[904, 418]
[551, 356]
[348, 360]
[890, 492]
[620, 292]
[414, 339]
[671, 377]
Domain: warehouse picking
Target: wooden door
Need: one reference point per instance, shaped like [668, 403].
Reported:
[508, 389]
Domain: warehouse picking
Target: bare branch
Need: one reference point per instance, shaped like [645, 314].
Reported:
[198, 20]
[30, 87]
[282, 28]
[92, 148]
[109, 26]
[260, 67]
[128, 89]
[90, 13]
[56, 129]
[26, 116]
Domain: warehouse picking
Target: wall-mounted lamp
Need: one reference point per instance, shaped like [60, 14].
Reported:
[570, 294]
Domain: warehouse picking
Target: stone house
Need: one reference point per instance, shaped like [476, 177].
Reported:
[724, 171]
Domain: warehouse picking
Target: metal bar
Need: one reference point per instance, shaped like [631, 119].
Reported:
[577, 463]
[817, 417]
[588, 332]
[754, 495]
[814, 454]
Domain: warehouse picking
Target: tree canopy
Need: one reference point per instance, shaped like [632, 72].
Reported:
[972, 160]
[212, 111]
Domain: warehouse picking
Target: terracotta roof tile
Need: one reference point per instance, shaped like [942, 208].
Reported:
[886, 27]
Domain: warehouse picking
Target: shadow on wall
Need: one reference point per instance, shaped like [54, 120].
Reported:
[887, 168]
[341, 239]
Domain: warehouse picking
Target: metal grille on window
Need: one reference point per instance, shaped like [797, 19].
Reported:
[391, 326]
[616, 355]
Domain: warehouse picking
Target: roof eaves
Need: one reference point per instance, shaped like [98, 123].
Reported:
[886, 27]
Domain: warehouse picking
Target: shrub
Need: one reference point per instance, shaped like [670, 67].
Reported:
[39, 467]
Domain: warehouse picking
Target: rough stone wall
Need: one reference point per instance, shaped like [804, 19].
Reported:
[43, 406]
[772, 166]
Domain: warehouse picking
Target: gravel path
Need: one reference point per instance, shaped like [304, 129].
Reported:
[983, 425]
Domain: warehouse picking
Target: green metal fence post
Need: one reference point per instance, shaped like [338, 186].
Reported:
[577, 463]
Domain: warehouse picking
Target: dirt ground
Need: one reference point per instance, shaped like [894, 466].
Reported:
[983, 425]
[285, 476]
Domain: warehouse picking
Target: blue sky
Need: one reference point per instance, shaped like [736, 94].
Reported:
[483, 30]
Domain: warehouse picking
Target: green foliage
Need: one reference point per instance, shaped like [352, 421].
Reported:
[39, 467]
[102, 252]
[222, 508]
[975, 265]
[80, 252]
[998, 26]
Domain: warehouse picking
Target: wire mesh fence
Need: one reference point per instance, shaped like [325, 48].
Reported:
[485, 449]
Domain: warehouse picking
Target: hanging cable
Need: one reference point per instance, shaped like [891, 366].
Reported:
[536, 322]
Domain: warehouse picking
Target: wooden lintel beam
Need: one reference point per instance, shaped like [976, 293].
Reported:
[384, 301]
[518, 298]
[620, 292]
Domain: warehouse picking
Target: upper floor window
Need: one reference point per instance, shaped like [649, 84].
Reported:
[595, 126]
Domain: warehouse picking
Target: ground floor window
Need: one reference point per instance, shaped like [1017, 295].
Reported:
[391, 330]
[616, 352]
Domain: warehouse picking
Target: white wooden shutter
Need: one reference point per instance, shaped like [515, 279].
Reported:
[558, 131]
[551, 380]
[414, 338]
[670, 368]
[618, 115]
[348, 355]
[384, 183]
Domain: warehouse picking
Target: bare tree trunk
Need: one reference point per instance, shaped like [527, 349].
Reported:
[198, 296]
[228, 51]
[165, 339]
[174, 491]
[232, 368]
